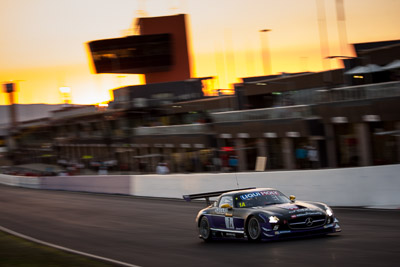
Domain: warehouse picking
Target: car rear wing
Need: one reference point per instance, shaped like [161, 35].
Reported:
[207, 196]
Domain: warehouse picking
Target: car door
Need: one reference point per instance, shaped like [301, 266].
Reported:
[220, 217]
[228, 223]
[233, 219]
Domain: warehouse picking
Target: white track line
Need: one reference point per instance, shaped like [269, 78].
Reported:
[65, 249]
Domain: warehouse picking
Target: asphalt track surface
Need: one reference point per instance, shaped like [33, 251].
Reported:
[158, 232]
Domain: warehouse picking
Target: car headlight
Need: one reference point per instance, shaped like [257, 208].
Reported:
[273, 219]
[329, 211]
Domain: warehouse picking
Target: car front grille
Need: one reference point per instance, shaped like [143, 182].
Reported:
[305, 233]
[307, 222]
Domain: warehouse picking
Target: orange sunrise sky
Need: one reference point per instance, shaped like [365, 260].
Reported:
[43, 42]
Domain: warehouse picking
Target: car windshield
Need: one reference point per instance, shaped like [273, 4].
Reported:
[260, 198]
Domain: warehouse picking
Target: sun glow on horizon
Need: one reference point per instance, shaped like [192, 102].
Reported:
[45, 48]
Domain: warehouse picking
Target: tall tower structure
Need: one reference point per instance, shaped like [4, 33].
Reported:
[176, 27]
[160, 51]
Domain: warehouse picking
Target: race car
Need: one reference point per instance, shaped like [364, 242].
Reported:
[261, 214]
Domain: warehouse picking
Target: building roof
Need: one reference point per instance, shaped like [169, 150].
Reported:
[269, 77]
[296, 82]
[27, 112]
[359, 47]
[381, 55]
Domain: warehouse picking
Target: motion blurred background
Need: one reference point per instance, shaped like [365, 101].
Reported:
[199, 86]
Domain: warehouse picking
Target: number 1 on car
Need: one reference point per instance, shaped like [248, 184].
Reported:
[229, 223]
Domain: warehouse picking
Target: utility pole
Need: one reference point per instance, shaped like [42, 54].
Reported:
[341, 21]
[266, 57]
[323, 34]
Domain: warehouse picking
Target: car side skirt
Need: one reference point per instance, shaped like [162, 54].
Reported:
[227, 231]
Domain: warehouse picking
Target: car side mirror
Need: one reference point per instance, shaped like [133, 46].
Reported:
[226, 206]
[292, 198]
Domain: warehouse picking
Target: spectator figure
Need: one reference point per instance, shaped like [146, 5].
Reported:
[301, 157]
[313, 158]
[233, 163]
[103, 170]
[217, 163]
[162, 168]
[225, 162]
[142, 166]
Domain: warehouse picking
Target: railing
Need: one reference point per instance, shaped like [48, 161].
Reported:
[174, 129]
[359, 92]
[304, 110]
[300, 111]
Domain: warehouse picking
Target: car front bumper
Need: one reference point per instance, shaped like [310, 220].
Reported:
[270, 234]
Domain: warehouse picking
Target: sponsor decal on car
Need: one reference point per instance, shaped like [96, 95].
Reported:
[282, 232]
[299, 210]
[309, 213]
[221, 210]
[258, 194]
[289, 207]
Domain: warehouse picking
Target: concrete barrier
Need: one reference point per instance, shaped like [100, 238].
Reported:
[176, 185]
[112, 184]
[376, 186]
[29, 182]
[366, 186]
[21, 181]
[9, 180]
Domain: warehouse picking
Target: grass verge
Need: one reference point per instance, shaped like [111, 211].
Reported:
[15, 251]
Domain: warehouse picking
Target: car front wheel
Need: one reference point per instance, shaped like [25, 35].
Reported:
[253, 229]
[204, 229]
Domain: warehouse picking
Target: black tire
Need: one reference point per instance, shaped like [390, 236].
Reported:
[253, 229]
[204, 229]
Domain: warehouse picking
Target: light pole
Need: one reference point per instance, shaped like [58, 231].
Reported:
[10, 89]
[266, 57]
[66, 94]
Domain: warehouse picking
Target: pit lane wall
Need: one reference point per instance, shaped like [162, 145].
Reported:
[21, 181]
[376, 186]
[109, 184]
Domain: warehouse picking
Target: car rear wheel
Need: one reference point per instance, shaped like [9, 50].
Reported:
[253, 229]
[204, 229]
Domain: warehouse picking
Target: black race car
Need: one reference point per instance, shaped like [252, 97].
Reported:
[262, 214]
